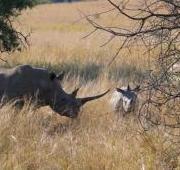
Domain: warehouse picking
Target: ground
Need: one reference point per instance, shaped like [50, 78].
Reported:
[97, 139]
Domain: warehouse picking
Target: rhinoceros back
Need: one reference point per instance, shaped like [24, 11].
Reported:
[20, 81]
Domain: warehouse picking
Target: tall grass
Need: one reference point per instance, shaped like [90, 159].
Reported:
[97, 139]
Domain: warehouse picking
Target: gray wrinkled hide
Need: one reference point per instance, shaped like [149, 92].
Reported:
[43, 88]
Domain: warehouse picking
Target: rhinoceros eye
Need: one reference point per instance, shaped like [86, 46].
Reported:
[52, 76]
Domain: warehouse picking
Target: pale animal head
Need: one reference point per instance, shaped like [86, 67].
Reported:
[128, 97]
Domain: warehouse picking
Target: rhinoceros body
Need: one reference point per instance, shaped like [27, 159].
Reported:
[43, 87]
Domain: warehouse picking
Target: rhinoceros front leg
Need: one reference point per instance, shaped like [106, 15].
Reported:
[19, 103]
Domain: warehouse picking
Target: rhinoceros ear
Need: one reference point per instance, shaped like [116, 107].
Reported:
[61, 76]
[137, 88]
[121, 90]
[52, 76]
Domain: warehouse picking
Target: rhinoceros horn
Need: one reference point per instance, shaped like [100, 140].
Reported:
[87, 99]
[74, 93]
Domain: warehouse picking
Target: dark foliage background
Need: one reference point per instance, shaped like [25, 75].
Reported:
[10, 38]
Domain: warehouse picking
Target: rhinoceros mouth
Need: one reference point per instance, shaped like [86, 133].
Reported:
[72, 108]
[68, 114]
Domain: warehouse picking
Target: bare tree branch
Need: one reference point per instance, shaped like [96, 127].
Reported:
[156, 24]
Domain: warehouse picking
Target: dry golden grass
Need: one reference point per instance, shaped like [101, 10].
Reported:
[97, 139]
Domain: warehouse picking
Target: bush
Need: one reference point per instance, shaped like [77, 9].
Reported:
[10, 38]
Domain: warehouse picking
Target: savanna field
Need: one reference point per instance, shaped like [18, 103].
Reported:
[98, 139]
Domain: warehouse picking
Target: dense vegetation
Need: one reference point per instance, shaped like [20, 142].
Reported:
[10, 38]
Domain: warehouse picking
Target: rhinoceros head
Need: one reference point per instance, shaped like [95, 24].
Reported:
[66, 104]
